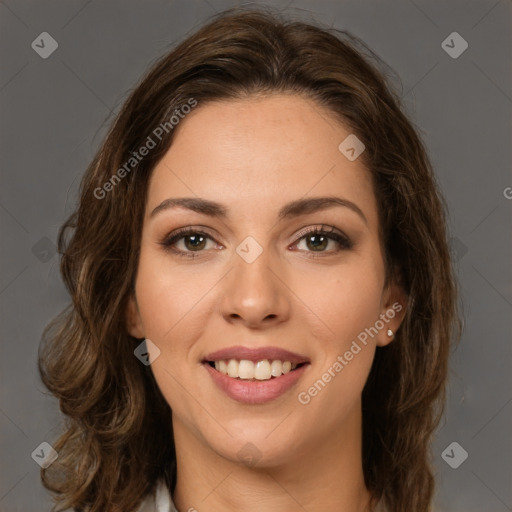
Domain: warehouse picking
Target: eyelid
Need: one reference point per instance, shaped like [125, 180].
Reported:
[170, 239]
[188, 230]
[320, 228]
[330, 232]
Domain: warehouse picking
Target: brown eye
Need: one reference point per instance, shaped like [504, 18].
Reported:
[317, 240]
[194, 242]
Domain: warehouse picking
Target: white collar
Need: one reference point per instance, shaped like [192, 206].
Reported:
[160, 501]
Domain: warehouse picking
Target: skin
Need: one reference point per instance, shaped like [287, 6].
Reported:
[253, 156]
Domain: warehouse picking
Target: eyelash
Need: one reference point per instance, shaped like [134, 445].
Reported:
[330, 233]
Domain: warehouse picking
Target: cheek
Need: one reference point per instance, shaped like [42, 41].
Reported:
[344, 301]
[172, 306]
[171, 302]
[348, 307]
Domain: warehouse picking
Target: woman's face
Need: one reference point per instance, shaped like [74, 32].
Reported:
[251, 281]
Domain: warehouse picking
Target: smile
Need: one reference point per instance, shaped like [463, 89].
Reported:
[249, 370]
[255, 375]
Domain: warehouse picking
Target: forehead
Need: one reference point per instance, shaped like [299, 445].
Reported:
[259, 153]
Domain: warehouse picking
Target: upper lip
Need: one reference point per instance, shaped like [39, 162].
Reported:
[256, 354]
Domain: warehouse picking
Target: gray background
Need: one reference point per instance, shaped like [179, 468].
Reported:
[54, 113]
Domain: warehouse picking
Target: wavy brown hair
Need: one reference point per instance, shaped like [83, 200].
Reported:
[117, 440]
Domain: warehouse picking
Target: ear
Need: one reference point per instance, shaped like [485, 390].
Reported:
[394, 306]
[133, 319]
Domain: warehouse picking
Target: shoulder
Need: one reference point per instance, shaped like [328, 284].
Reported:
[380, 507]
[159, 501]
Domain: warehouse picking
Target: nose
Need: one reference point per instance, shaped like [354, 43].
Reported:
[255, 295]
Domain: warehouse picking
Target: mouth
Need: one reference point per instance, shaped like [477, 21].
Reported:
[262, 370]
[255, 376]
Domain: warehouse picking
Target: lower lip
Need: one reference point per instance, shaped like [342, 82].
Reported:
[254, 391]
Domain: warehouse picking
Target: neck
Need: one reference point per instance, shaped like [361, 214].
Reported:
[321, 477]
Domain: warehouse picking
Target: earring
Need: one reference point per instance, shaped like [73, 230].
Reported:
[390, 333]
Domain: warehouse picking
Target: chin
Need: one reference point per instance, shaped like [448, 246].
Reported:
[256, 448]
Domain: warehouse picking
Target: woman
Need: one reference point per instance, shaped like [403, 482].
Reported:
[263, 300]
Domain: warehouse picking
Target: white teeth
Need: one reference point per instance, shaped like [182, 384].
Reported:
[232, 368]
[276, 368]
[247, 370]
[262, 370]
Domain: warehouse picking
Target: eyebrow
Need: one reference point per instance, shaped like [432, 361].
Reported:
[290, 210]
